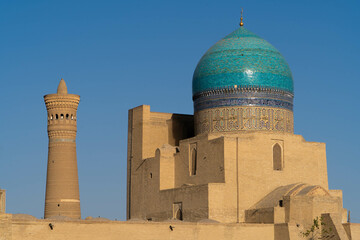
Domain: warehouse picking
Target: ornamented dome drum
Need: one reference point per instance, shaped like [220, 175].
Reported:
[243, 83]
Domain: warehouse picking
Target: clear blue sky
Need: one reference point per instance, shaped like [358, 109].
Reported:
[121, 54]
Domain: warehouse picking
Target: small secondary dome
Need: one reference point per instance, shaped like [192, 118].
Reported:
[242, 59]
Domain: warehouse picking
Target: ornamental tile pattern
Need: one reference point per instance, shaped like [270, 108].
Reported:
[243, 97]
[242, 59]
[230, 119]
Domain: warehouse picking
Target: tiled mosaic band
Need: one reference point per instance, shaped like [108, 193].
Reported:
[247, 96]
[230, 119]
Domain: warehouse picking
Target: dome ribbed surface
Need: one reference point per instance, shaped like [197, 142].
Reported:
[242, 59]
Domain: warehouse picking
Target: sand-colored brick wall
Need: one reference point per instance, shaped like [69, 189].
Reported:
[352, 230]
[2, 201]
[25, 229]
[210, 162]
[303, 162]
[148, 131]
[84, 230]
[234, 171]
[5, 226]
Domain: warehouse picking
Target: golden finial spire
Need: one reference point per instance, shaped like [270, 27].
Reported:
[241, 19]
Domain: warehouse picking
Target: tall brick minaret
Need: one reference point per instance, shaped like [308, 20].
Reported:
[62, 183]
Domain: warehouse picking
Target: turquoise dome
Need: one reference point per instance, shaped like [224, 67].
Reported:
[242, 59]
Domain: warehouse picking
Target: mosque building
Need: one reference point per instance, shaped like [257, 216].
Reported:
[233, 170]
[237, 159]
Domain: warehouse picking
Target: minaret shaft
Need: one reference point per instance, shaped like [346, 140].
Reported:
[62, 184]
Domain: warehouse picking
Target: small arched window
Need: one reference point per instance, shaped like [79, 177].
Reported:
[178, 215]
[72, 117]
[62, 116]
[67, 116]
[193, 162]
[277, 157]
[177, 211]
[51, 117]
[56, 116]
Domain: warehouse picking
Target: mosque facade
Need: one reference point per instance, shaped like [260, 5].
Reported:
[236, 160]
[232, 170]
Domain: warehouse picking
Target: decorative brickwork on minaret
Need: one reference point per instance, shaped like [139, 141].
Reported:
[62, 183]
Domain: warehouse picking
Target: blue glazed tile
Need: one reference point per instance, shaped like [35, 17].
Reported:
[242, 59]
